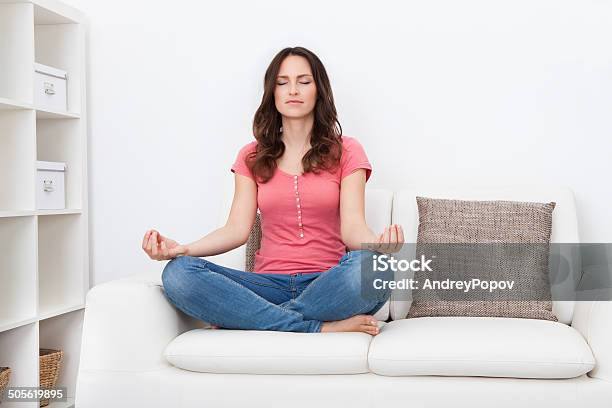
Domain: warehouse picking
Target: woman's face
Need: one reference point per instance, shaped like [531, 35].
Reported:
[295, 83]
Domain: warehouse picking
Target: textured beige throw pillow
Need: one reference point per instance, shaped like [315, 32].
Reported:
[496, 224]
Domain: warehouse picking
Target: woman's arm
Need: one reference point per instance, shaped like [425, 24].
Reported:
[236, 230]
[353, 226]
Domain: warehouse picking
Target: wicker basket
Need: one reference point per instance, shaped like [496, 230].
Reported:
[49, 369]
[5, 374]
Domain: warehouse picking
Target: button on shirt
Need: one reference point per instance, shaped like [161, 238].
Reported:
[300, 214]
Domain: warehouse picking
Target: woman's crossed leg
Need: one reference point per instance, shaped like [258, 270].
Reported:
[236, 299]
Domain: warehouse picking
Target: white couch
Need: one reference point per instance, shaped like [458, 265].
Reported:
[135, 341]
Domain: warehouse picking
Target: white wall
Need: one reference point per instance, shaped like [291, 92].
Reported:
[448, 92]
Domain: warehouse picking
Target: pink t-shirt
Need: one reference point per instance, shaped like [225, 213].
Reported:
[300, 215]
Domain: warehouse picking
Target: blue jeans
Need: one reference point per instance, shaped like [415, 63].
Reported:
[297, 302]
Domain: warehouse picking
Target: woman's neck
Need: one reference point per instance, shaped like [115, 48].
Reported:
[296, 132]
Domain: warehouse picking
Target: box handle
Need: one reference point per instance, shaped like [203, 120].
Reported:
[49, 88]
[48, 185]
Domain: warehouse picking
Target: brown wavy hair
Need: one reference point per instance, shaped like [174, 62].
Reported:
[326, 136]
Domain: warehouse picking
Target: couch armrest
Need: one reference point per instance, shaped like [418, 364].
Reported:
[128, 323]
[593, 319]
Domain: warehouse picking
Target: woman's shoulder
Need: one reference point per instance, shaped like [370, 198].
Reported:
[247, 148]
[250, 146]
[350, 143]
[354, 157]
[352, 146]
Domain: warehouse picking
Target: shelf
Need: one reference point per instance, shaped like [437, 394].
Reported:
[51, 12]
[59, 212]
[10, 104]
[68, 57]
[41, 113]
[64, 333]
[16, 54]
[60, 311]
[18, 271]
[52, 114]
[26, 213]
[4, 326]
[62, 141]
[48, 315]
[19, 351]
[12, 325]
[44, 269]
[60, 272]
[17, 157]
[46, 12]
[16, 213]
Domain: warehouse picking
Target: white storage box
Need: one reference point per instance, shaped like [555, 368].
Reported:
[50, 190]
[50, 88]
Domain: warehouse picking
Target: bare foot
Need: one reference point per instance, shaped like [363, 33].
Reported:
[357, 323]
[214, 327]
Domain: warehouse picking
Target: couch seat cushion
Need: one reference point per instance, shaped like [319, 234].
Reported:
[479, 346]
[269, 352]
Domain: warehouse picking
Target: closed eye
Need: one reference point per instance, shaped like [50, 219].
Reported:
[285, 83]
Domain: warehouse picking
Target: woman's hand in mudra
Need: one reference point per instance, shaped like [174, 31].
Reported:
[161, 248]
[390, 240]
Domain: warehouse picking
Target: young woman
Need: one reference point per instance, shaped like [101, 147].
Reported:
[308, 182]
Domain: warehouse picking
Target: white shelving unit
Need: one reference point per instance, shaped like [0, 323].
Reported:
[44, 267]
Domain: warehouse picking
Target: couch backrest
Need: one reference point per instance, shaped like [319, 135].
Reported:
[564, 229]
[384, 207]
